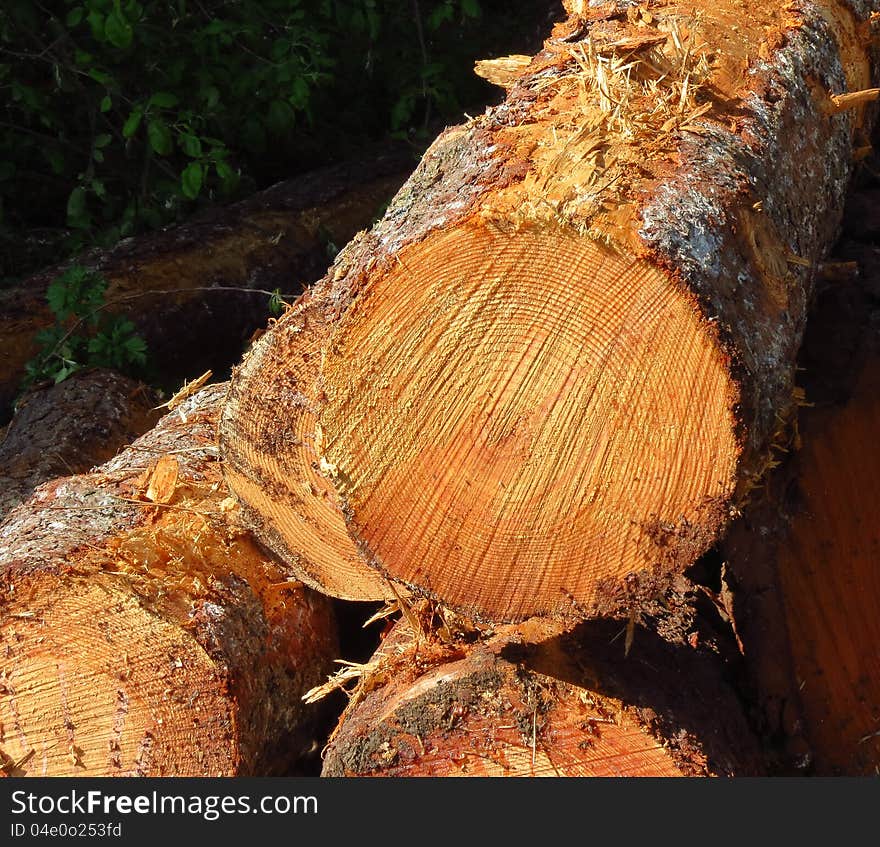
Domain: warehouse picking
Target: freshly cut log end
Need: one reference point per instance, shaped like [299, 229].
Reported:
[142, 633]
[271, 446]
[552, 371]
[95, 684]
[532, 701]
[519, 419]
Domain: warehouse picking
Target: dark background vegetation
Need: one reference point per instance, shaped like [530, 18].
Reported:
[118, 116]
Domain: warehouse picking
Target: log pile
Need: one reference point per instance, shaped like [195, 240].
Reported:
[541, 411]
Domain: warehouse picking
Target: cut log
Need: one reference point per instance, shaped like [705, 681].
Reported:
[69, 428]
[280, 238]
[534, 700]
[542, 383]
[802, 561]
[141, 633]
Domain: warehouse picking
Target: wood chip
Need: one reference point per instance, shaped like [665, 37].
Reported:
[503, 71]
[189, 388]
[163, 480]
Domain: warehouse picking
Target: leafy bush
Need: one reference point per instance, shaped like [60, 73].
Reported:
[83, 335]
[118, 115]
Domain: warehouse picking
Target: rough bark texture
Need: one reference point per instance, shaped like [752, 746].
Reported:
[690, 149]
[141, 633]
[281, 238]
[802, 560]
[535, 700]
[69, 428]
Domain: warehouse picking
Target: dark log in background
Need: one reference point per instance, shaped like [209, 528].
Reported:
[281, 238]
[69, 428]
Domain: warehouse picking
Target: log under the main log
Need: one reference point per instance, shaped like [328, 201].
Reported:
[536, 700]
[542, 383]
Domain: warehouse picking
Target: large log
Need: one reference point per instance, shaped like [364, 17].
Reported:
[536, 700]
[544, 381]
[69, 428]
[174, 284]
[143, 634]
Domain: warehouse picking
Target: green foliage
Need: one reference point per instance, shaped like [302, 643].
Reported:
[83, 334]
[119, 115]
[277, 303]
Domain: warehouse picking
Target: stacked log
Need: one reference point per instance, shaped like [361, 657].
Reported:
[142, 633]
[520, 409]
[542, 699]
[802, 561]
[544, 382]
[69, 428]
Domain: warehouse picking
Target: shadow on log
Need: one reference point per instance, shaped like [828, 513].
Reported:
[141, 633]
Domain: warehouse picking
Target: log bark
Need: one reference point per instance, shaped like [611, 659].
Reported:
[142, 633]
[802, 561]
[69, 428]
[281, 238]
[536, 700]
[561, 359]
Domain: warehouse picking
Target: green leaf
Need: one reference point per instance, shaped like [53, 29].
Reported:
[77, 211]
[96, 22]
[65, 371]
[191, 145]
[281, 117]
[164, 100]
[299, 93]
[440, 15]
[402, 111]
[133, 122]
[136, 350]
[102, 140]
[211, 96]
[224, 171]
[74, 17]
[98, 156]
[118, 30]
[56, 297]
[98, 187]
[470, 8]
[160, 137]
[191, 180]
[106, 104]
[100, 76]
[228, 175]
